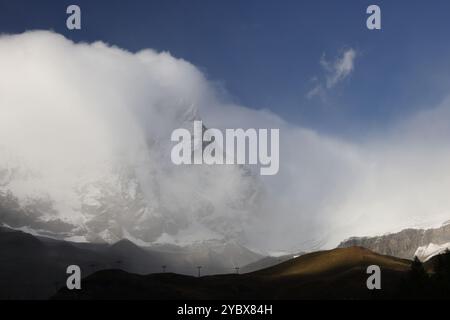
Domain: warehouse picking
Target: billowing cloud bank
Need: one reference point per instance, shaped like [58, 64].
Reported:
[85, 136]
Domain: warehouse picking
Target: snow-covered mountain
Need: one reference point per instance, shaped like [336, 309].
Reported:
[423, 243]
[85, 146]
[143, 197]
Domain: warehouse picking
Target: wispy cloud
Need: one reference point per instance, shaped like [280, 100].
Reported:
[334, 72]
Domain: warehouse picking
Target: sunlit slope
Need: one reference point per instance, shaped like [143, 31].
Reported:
[333, 261]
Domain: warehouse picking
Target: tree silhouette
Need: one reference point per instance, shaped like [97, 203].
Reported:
[417, 270]
[441, 276]
[417, 281]
[442, 265]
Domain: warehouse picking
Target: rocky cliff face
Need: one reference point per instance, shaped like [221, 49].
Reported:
[403, 244]
[143, 198]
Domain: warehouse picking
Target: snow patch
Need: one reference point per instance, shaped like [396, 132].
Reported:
[78, 239]
[425, 253]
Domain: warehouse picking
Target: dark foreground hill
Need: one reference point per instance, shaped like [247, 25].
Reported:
[35, 267]
[332, 274]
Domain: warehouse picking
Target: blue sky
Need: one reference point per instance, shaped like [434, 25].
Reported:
[266, 53]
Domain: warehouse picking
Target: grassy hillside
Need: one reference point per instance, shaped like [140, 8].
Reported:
[332, 274]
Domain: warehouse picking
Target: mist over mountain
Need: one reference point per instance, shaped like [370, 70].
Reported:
[93, 171]
[85, 156]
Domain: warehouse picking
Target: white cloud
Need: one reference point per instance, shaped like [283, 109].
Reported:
[334, 72]
[77, 114]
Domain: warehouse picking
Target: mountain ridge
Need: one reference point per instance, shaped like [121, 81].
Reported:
[402, 244]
